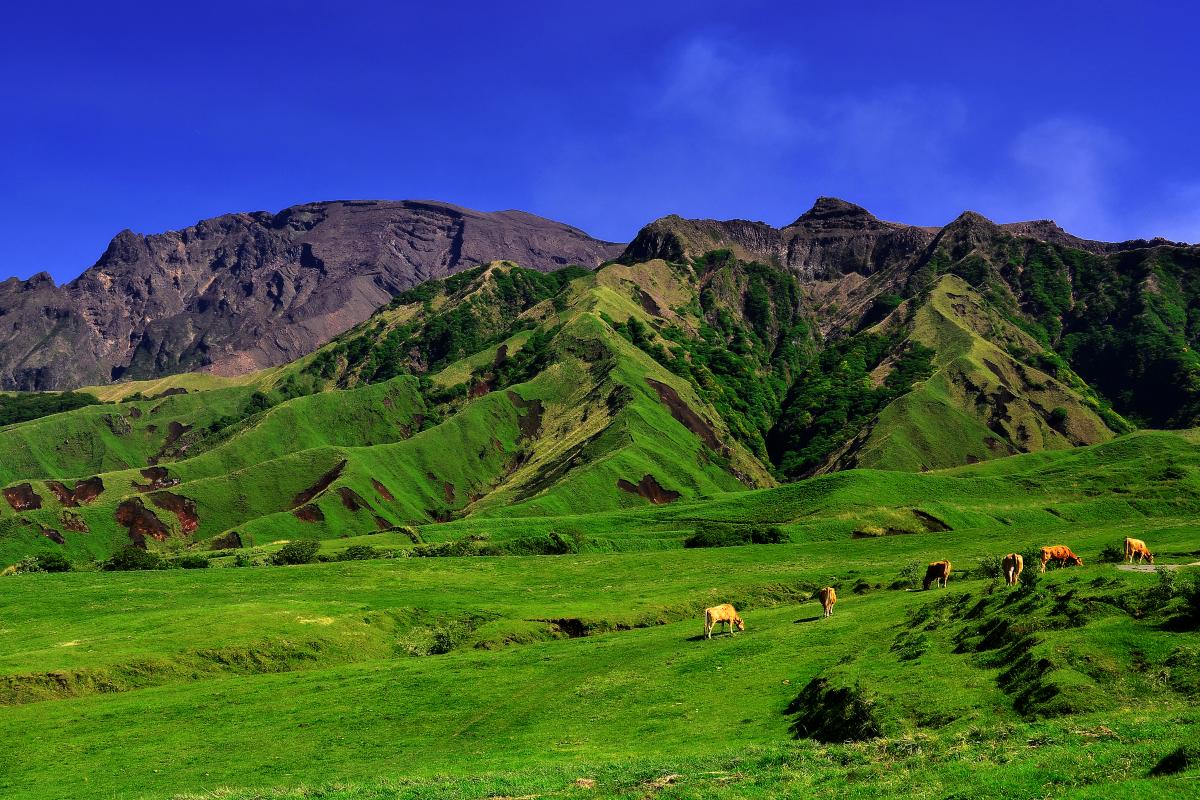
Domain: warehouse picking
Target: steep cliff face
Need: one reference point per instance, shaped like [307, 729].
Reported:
[243, 291]
[831, 239]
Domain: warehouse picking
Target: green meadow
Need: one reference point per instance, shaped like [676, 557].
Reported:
[483, 676]
[482, 573]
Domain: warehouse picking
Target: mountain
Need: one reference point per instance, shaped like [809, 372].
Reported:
[1123, 317]
[243, 291]
[839, 342]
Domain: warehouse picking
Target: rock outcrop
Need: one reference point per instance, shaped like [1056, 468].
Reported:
[244, 291]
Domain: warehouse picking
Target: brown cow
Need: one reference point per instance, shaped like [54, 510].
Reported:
[827, 596]
[1060, 554]
[725, 614]
[1136, 547]
[938, 573]
[1012, 564]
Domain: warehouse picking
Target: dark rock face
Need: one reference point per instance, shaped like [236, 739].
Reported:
[244, 291]
[829, 240]
[835, 238]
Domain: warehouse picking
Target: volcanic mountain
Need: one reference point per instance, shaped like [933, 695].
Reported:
[244, 291]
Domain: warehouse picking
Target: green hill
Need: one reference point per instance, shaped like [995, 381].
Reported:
[464, 550]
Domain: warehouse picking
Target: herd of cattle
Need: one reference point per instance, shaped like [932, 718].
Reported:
[936, 574]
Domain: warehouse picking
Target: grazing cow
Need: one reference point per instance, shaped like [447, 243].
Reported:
[827, 596]
[1136, 547]
[1012, 564]
[937, 573]
[725, 614]
[1060, 554]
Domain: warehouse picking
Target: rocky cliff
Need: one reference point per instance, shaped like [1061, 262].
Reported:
[243, 291]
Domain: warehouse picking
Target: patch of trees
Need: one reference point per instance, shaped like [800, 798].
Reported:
[834, 398]
[24, 406]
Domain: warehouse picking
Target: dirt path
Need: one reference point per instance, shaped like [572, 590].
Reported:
[1152, 567]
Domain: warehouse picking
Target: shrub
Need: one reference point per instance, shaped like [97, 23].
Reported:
[710, 534]
[1168, 586]
[52, 562]
[242, 560]
[1058, 418]
[990, 567]
[1111, 554]
[359, 552]
[193, 561]
[1032, 572]
[301, 551]
[910, 576]
[768, 534]
[133, 558]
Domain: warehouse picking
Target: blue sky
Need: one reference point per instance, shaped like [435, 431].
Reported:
[604, 115]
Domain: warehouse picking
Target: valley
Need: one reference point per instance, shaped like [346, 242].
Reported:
[463, 547]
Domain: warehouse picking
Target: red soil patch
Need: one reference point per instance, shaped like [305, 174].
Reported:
[501, 356]
[135, 412]
[352, 499]
[649, 488]
[382, 523]
[448, 491]
[383, 490]
[309, 513]
[531, 421]
[73, 522]
[479, 389]
[682, 412]
[230, 540]
[182, 507]
[85, 491]
[158, 478]
[52, 535]
[321, 485]
[140, 522]
[22, 497]
[174, 390]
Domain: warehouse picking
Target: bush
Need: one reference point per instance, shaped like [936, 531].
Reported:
[359, 552]
[1111, 554]
[1058, 418]
[242, 560]
[1168, 586]
[1032, 572]
[910, 576]
[133, 558]
[193, 561]
[990, 567]
[52, 562]
[301, 551]
[710, 534]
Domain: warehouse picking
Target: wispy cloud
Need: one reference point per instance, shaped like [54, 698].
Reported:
[1067, 170]
[722, 129]
[731, 92]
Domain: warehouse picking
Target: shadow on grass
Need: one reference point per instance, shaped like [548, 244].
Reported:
[806, 619]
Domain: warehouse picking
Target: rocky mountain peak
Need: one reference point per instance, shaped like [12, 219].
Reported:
[834, 212]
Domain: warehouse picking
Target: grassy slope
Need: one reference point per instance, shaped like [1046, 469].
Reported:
[573, 461]
[547, 709]
[951, 418]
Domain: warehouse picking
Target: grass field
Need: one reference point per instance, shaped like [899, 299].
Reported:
[473, 677]
[504, 590]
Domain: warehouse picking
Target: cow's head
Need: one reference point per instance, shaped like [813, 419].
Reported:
[1074, 559]
[737, 623]
[1150, 556]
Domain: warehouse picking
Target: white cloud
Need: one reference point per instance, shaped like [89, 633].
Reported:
[731, 92]
[1067, 171]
